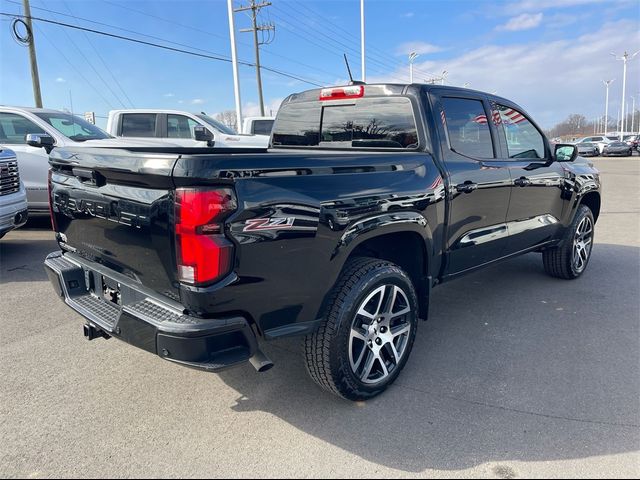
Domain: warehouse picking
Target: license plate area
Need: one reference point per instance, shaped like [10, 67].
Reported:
[111, 291]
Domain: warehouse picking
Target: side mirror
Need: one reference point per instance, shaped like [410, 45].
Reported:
[202, 134]
[565, 152]
[40, 140]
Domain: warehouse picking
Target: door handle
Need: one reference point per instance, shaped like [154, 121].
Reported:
[522, 182]
[466, 187]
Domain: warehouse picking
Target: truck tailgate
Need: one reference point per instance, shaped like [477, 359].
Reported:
[116, 208]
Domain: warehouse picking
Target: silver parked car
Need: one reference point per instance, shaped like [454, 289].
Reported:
[13, 197]
[60, 129]
[588, 149]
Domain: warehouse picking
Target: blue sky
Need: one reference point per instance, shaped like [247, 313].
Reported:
[548, 55]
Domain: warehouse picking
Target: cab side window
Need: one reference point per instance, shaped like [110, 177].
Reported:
[467, 126]
[138, 125]
[179, 126]
[523, 138]
[14, 128]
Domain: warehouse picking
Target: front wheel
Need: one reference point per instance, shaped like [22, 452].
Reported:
[368, 330]
[570, 259]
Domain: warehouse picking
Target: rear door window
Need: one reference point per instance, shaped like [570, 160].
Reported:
[180, 126]
[467, 127]
[138, 125]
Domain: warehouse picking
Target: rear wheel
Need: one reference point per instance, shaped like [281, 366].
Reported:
[570, 259]
[367, 333]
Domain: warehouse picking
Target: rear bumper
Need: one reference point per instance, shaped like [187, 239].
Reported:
[147, 320]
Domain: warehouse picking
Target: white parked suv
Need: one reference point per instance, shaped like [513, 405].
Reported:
[64, 130]
[599, 140]
[182, 128]
[13, 197]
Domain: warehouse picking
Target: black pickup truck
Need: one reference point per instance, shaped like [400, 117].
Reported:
[369, 196]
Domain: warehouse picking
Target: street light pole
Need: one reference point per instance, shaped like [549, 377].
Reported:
[625, 58]
[234, 61]
[606, 105]
[364, 75]
[412, 57]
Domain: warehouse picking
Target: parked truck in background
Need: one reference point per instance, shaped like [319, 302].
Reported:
[181, 128]
[370, 196]
[13, 196]
[258, 125]
[55, 128]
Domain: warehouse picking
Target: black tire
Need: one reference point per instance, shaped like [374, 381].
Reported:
[328, 350]
[560, 262]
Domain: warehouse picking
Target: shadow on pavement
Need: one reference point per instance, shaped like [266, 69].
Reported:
[21, 260]
[512, 366]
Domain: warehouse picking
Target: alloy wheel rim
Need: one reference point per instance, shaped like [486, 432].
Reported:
[582, 243]
[379, 334]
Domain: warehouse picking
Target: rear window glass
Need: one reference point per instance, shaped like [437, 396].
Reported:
[371, 123]
[138, 125]
[298, 124]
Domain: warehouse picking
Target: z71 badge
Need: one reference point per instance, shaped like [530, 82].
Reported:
[271, 223]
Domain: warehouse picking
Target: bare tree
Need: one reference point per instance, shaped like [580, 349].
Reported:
[228, 117]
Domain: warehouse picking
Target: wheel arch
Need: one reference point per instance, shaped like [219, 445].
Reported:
[406, 243]
[593, 201]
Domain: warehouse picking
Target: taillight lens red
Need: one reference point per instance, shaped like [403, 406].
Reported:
[204, 253]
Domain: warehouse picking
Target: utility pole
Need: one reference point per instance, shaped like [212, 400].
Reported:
[35, 78]
[255, 9]
[234, 61]
[606, 105]
[364, 75]
[625, 58]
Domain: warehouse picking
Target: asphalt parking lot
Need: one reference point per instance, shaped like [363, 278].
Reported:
[515, 375]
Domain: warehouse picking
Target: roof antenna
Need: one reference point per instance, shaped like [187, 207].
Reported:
[351, 80]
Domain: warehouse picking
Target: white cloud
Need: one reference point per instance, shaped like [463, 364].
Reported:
[549, 79]
[180, 101]
[421, 48]
[408, 15]
[60, 80]
[197, 101]
[526, 21]
[168, 95]
[538, 5]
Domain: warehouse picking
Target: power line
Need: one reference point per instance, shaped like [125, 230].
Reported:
[80, 74]
[382, 58]
[330, 43]
[88, 62]
[338, 49]
[106, 67]
[206, 32]
[164, 47]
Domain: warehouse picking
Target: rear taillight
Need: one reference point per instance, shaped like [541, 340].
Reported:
[50, 190]
[337, 93]
[204, 253]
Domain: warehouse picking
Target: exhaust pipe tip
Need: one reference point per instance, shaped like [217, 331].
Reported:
[261, 362]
